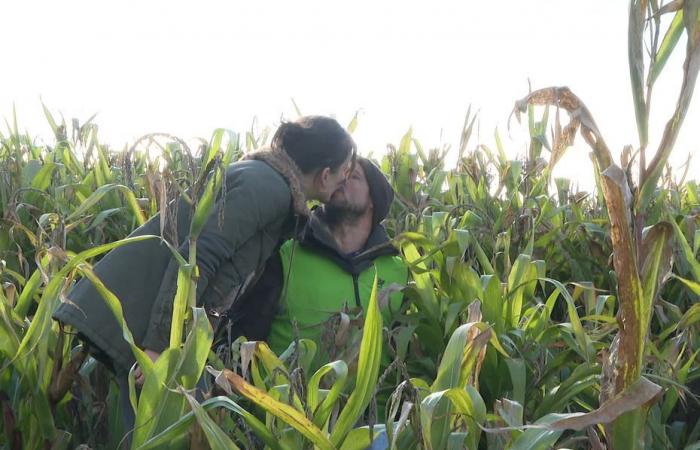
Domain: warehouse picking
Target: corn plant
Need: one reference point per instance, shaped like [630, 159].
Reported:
[642, 256]
[35, 387]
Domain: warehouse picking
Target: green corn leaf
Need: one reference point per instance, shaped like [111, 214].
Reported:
[539, 438]
[26, 297]
[205, 205]
[367, 371]
[521, 280]
[49, 119]
[457, 361]
[464, 401]
[321, 412]
[658, 259]
[685, 251]
[668, 44]
[286, 413]
[635, 32]
[183, 424]
[584, 343]
[583, 377]
[100, 193]
[690, 317]
[42, 180]
[424, 285]
[196, 349]
[518, 377]
[217, 439]
[361, 438]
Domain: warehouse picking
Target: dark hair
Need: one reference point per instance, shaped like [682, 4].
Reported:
[314, 142]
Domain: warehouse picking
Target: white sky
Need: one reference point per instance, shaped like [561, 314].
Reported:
[187, 67]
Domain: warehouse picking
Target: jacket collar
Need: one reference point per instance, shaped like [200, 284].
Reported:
[317, 236]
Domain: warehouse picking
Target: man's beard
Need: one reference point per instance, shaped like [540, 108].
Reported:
[343, 212]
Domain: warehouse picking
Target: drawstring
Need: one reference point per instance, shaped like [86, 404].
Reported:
[283, 296]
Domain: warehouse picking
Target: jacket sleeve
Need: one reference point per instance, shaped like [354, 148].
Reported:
[249, 205]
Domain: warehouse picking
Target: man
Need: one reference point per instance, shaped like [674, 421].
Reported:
[328, 270]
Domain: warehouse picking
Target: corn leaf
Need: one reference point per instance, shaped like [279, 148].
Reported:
[367, 371]
[284, 412]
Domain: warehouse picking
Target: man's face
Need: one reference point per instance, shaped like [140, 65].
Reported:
[353, 196]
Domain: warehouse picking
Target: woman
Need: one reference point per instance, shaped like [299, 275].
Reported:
[266, 193]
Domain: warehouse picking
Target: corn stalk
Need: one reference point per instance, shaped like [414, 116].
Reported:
[642, 259]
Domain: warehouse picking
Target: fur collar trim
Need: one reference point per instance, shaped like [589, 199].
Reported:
[285, 166]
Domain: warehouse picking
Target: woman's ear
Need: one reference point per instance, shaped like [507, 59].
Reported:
[322, 177]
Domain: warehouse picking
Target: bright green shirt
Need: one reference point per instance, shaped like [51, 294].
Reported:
[317, 288]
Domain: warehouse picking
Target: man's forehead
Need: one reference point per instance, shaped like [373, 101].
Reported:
[359, 170]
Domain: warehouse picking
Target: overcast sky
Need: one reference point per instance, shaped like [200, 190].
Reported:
[189, 67]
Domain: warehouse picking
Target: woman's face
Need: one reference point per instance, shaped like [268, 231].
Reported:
[328, 181]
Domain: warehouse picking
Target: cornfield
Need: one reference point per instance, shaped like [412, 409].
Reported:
[537, 316]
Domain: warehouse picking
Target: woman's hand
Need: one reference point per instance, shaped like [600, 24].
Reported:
[138, 373]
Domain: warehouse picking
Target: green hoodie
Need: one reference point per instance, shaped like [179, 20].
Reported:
[319, 281]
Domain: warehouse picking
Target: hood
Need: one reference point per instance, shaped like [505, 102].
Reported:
[380, 191]
[317, 236]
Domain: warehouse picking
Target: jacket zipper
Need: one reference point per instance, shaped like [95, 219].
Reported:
[357, 290]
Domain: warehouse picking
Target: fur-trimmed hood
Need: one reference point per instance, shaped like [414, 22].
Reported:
[280, 161]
